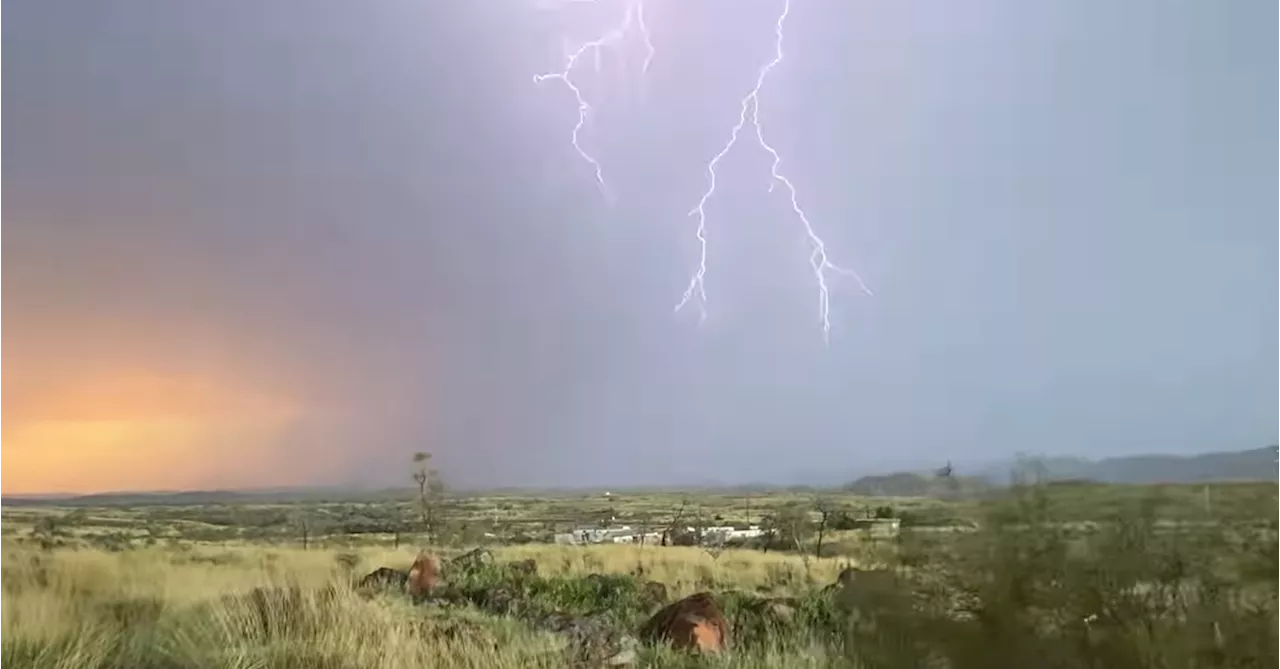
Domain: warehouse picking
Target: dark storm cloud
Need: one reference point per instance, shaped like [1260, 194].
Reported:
[371, 208]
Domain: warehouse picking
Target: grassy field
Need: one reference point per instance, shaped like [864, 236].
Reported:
[1068, 575]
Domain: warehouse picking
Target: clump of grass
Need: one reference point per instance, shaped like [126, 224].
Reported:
[1027, 590]
[684, 569]
[785, 625]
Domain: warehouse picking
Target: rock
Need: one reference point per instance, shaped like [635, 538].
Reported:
[694, 623]
[384, 578]
[593, 640]
[626, 655]
[500, 601]
[423, 576]
[472, 560]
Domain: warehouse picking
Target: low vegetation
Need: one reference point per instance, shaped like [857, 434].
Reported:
[1151, 578]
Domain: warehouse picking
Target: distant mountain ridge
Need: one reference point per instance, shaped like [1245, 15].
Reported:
[908, 484]
[1258, 464]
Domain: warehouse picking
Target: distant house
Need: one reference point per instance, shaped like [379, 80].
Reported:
[594, 535]
[651, 538]
[627, 535]
[714, 535]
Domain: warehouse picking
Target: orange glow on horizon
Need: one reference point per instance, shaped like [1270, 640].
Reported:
[136, 396]
[141, 432]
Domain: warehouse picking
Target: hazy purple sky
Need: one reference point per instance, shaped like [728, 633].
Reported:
[1065, 209]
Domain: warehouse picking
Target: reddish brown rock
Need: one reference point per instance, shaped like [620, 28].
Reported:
[694, 623]
[424, 575]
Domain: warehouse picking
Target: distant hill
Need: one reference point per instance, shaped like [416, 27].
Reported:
[1257, 464]
[908, 484]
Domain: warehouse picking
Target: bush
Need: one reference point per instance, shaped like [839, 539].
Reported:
[1027, 590]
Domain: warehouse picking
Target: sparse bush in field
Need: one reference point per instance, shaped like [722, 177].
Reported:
[110, 541]
[1027, 590]
[620, 596]
[48, 532]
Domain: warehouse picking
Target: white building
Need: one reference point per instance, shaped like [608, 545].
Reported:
[595, 535]
[728, 533]
[625, 534]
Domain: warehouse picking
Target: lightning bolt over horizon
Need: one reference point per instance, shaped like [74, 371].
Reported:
[749, 113]
[634, 14]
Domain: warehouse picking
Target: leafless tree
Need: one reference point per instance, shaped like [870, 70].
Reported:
[675, 518]
[394, 523]
[430, 486]
[699, 525]
[768, 532]
[300, 519]
[825, 510]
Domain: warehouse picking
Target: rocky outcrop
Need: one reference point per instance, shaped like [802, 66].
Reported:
[592, 640]
[423, 576]
[695, 623]
[384, 578]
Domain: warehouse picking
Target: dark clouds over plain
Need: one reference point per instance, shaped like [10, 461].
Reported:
[1066, 210]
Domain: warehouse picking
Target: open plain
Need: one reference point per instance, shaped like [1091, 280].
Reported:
[1064, 574]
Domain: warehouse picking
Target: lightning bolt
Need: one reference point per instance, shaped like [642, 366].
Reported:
[749, 113]
[819, 260]
[634, 15]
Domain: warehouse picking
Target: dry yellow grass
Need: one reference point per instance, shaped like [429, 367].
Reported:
[75, 608]
[681, 568]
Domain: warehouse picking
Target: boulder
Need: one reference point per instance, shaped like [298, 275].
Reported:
[695, 623]
[384, 578]
[423, 576]
[592, 640]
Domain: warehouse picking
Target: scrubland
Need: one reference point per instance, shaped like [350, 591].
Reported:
[1018, 586]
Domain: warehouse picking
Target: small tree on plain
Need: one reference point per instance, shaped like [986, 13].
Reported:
[430, 487]
[675, 519]
[301, 524]
[825, 510]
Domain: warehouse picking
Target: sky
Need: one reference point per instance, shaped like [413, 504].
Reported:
[293, 242]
